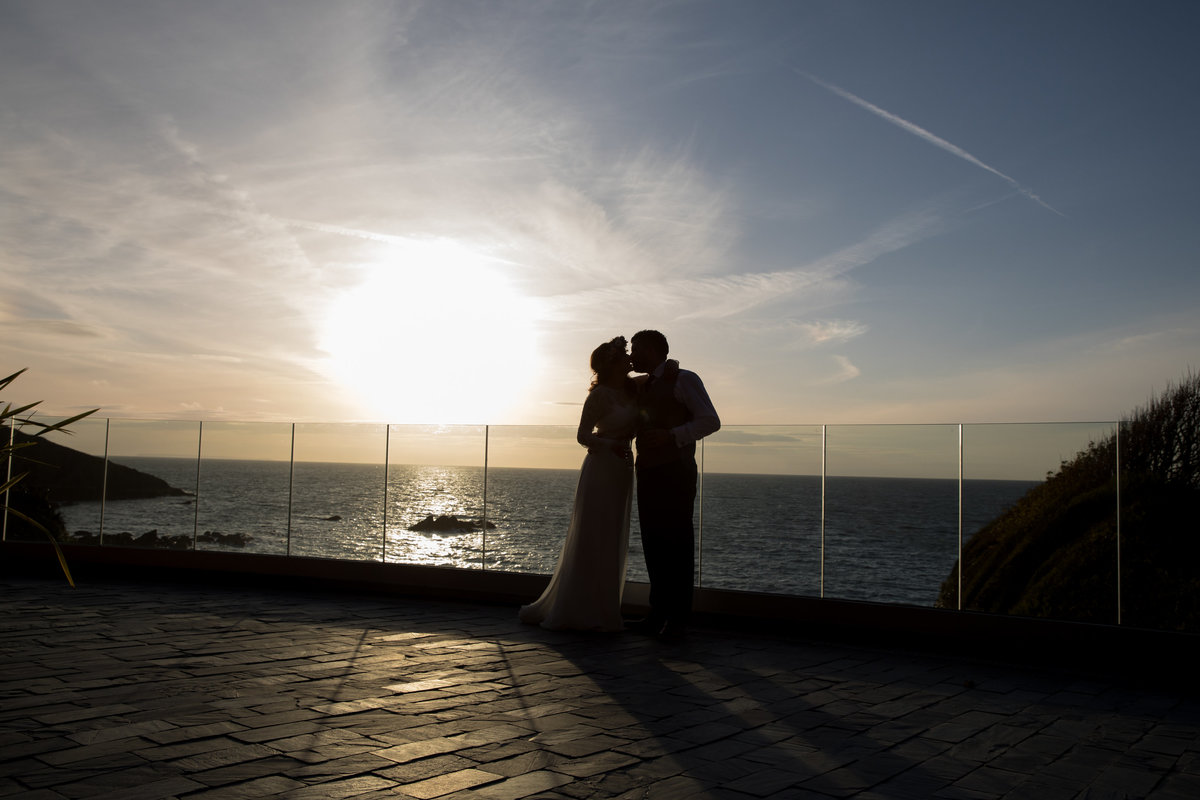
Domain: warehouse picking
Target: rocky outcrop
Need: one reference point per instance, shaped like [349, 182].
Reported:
[63, 475]
[449, 523]
[155, 539]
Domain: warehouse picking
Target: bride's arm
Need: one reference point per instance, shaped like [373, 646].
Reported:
[595, 407]
[593, 412]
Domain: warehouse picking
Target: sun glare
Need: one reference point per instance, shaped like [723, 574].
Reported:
[434, 334]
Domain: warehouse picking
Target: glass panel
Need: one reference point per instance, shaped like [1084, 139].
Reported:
[242, 502]
[1160, 490]
[532, 475]
[338, 491]
[65, 483]
[1039, 521]
[891, 511]
[149, 494]
[761, 501]
[435, 508]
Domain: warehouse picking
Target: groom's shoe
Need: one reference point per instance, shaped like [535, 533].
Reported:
[672, 632]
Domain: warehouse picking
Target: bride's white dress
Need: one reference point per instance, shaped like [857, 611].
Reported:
[585, 590]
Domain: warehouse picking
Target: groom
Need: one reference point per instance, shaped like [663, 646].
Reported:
[674, 412]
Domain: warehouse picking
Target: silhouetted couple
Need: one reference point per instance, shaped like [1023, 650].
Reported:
[666, 410]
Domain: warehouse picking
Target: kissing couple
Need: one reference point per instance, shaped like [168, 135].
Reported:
[665, 410]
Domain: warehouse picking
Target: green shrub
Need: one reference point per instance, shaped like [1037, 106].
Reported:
[11, 456]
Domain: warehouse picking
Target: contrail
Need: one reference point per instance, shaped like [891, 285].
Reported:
[933, 139]
[322, 227]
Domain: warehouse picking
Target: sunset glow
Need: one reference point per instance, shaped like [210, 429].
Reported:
[435, 331]
[423, 213]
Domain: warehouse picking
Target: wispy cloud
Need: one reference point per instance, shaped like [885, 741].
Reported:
[722, 296]
[833, 330]
[845, 371]
[932, 138]
[340, 230]
[51, 327]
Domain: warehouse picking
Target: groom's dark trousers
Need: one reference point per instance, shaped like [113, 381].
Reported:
[666, 495]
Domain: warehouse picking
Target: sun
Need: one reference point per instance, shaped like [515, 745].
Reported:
[435, 333]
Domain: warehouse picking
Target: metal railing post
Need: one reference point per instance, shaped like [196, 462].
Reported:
[821, 575]
[483, 527]
[1118, 465]
[104, 481]
[700, 542]
[387, 462]
[196, 501]
[960, 515]
[291, 488]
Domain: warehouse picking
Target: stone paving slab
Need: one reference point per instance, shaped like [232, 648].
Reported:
[148, 691]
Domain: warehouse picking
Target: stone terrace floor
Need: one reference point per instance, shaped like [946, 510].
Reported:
[198, 691]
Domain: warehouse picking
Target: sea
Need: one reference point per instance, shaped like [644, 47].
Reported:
[890, 540]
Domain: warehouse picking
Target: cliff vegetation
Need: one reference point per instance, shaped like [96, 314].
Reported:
[1056, 552]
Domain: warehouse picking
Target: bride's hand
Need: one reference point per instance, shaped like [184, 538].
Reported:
[621, 448]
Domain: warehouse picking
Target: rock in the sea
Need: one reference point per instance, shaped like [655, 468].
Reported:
[84, 537]
[224, 539]
[154, 539]
[449, 523]
[147, 539]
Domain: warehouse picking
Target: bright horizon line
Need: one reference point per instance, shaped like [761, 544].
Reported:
[573, 469]
[724, 425]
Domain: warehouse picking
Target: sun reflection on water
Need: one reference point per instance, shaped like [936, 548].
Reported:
[423, 491]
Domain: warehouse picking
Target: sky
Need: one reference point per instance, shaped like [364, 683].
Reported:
[403, 212]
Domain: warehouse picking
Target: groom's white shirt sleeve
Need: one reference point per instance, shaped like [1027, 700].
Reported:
[690, 391]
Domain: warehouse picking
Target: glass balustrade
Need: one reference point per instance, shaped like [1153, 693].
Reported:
[150, 483]
[61, 485]
[436, 512]
[243, 494]
[891, 511]
[759, 517]
[338, 489]
[531, 479]
[902, 514]
[1069, 518]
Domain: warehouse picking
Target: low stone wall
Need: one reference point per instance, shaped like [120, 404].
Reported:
[1108, 648]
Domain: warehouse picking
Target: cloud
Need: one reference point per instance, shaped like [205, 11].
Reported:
[1147, 341]
[127, 233]
[714, 298]
[834, 330]
[52, 327]
[340, 230]
[933, 139]
[846, 371]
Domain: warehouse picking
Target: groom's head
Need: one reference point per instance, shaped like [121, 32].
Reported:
[648, 350]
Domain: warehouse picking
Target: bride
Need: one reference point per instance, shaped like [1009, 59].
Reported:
[585, 590]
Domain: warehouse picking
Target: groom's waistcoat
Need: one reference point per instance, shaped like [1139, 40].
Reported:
[658, 408]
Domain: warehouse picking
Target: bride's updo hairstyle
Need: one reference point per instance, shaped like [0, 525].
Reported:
[604, 355]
